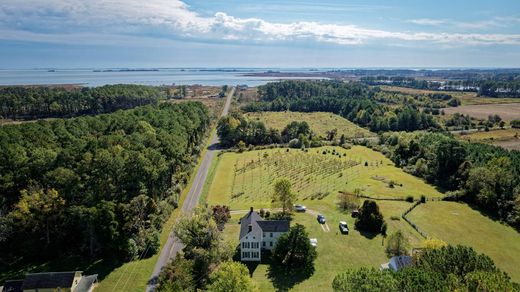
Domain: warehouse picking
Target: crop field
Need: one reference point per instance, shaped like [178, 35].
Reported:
[320, 122]
[507, 111]
[459, 224]
[467, 98]
[244, 179]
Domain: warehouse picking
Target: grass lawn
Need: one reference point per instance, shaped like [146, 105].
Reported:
[459, 224]
[319, 122]
[245, 179]
[336, 252]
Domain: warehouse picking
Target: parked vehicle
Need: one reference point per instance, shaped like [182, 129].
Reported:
[355, 213]
[314, 241]
[300, 208]
[343, 227]
[321, 219]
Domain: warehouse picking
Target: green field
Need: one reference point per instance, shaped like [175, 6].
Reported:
[319, 122]
[336, 252]
[245, 179]
[459, 224]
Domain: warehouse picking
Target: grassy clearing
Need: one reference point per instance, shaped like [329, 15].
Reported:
[505, 138]
[243, 179]
[336, 252]
[466, 98]
[507, 111]
[320, 122]
[459, 224]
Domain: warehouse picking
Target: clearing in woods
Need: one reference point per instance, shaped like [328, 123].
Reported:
[319, 122]
[507, 111]
[506, 138]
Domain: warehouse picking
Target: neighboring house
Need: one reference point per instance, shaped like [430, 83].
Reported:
[257, 234]
[54, 281]
[396, 263]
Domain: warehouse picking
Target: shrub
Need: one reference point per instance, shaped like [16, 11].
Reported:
[423, 199]
[409, 199]
[397, 244]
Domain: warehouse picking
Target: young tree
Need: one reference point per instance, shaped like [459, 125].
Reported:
[397, 244]
[177, 275]
[294, 251]
[347, 201]
[221, 215]
[283, 195]
[231, 277]
[370, 218]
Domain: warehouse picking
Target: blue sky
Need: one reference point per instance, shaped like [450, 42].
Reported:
[246, 33]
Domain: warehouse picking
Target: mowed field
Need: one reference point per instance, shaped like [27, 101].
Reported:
[506, 138]
[336, 252]
[459, 224]
[507, 111]
[466, 98]
[319, 122]
[245, 179]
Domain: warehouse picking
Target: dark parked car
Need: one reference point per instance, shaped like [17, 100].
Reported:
[321, 219]
[355, 213]
[343, 227]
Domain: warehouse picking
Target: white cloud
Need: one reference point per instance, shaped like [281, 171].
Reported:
[60, 19]
[427, 21]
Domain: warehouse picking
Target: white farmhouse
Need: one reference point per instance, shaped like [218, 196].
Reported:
[257, 234]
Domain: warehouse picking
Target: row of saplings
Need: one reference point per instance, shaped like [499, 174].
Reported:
[436, 267]
[206, 262]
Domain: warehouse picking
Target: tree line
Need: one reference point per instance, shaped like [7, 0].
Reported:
[21, 103]
[486, 176]
[95, 185]
[352, 101]
[447, 268]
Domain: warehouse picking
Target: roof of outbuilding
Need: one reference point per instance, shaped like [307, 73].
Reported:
[13, 286]
[48, 280]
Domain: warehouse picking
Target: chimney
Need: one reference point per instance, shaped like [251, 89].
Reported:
[251, 209]
[249, 228]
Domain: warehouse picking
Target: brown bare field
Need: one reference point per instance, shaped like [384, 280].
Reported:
[510, 144]
[507, 111]
[466, 98]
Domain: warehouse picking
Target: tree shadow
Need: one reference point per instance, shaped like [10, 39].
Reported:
[368, 234]
[284, 279]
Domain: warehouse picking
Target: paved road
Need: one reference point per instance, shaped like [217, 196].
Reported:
[173, 246]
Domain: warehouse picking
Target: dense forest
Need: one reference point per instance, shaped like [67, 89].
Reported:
[353, 101]
[19, 102]
[486, 176]
[95, 185]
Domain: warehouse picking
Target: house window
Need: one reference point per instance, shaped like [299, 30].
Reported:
[271, 243]
[246, 254]
[271, 234]
[254, 244]
[255, 255]
[263, 243]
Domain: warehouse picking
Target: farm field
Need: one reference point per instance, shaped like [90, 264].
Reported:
[320, 122]
[507, 111]
[459, 224]
[466, 98]
[336, 252]
[506, 138]
[245, 179]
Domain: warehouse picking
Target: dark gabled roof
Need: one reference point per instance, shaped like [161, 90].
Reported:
[274, 225]
[13, 286]
[48, 280]
[246, 221]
